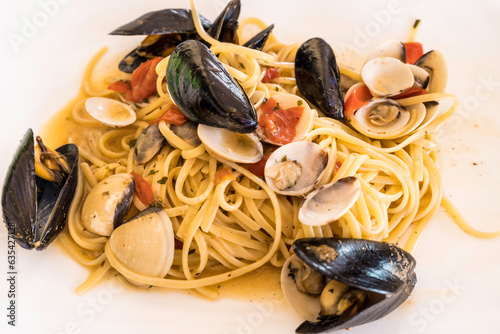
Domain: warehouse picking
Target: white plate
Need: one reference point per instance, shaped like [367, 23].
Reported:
[458, 289]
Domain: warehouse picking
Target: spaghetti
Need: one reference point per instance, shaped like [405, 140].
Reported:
[233, 226]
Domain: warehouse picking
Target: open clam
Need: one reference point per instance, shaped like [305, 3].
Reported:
[284, 118]
[38, 191]
[149, 142]
[340, 283]
[387, 76]
[391, 48]
[294, 169]
[329, 202]
[108, 203]
[435, 64]
[237, 147]
[145, 243]
[110, 112]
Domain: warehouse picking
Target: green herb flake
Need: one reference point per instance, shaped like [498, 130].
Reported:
[153, 172]
[284, 158]
[265, 100]
[299, 103]
[242, 66]
[276, 89]
[191, 251]
[132, 143]
[277, 107]
[163, 180]
[106, 193]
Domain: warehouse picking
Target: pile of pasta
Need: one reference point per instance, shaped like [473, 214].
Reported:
[229, 228]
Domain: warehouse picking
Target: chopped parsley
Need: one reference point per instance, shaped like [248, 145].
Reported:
[299, 103]
[106, 193]
[191, 251]
[242, 66]
[132, 143]
[163, 180]
[284, 158]
[153, 172]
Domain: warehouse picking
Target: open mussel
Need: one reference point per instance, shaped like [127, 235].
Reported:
[225, 25]
[318, 77]
[205, 92]
[38, 191]
[340, 283]
[258, 41]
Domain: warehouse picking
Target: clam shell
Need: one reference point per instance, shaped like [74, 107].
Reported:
[435, 64]
[237, 147]
[145, 243]
[329, 202]
[313, 159]
[386, 76]
[304, 124]
[391, 48]
[108, 203]
[110, 112]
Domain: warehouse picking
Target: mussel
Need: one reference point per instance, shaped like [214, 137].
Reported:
[204, 90]
[346, 282]
[38, 190]
[258, 41]
[225, 25]
[318, 77]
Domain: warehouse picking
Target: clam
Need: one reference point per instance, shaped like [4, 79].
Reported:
[329, 202]
[391, 48]
[420, 75]
[294, 169]
[387, 76]
[387, 119]
[284, 118]
[107, 204]
[237, 147]
[205, 92]
[145, 243]
[339, 283]
[149, 142]
[110, 112]
[435, 64]
[318, 77]
[38, 191]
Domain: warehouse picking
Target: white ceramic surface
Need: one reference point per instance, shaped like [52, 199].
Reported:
[458, 289]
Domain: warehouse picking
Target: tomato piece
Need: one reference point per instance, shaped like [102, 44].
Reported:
[224, 174]
[271, 74]
[120, 86]
[143, 189]
[178, 244]
[173, 116]
[257, 168]
[279, 124]
[359, 98]
[143, 81]
[414, 50]
[413, 91]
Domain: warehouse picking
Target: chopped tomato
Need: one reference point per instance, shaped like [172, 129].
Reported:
[271, 74]
[142, 189]
[120, 86]
[279, 124]
[224, 174]
[359, 98]
[413, 91]
[178, 244]
[257, 168]
[338, 164]
[142, 84]
[414, 50]
[173, 116]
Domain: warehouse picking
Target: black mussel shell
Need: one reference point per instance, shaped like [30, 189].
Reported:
[205, 92]
[166, 21]
[258, 41]
[225, 25]
[318, 77]
[34, 209]
[384, 271]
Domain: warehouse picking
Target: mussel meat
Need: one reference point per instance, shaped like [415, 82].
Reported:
[38, 190]
[205, 92]
[346, 282]
[318, 77]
